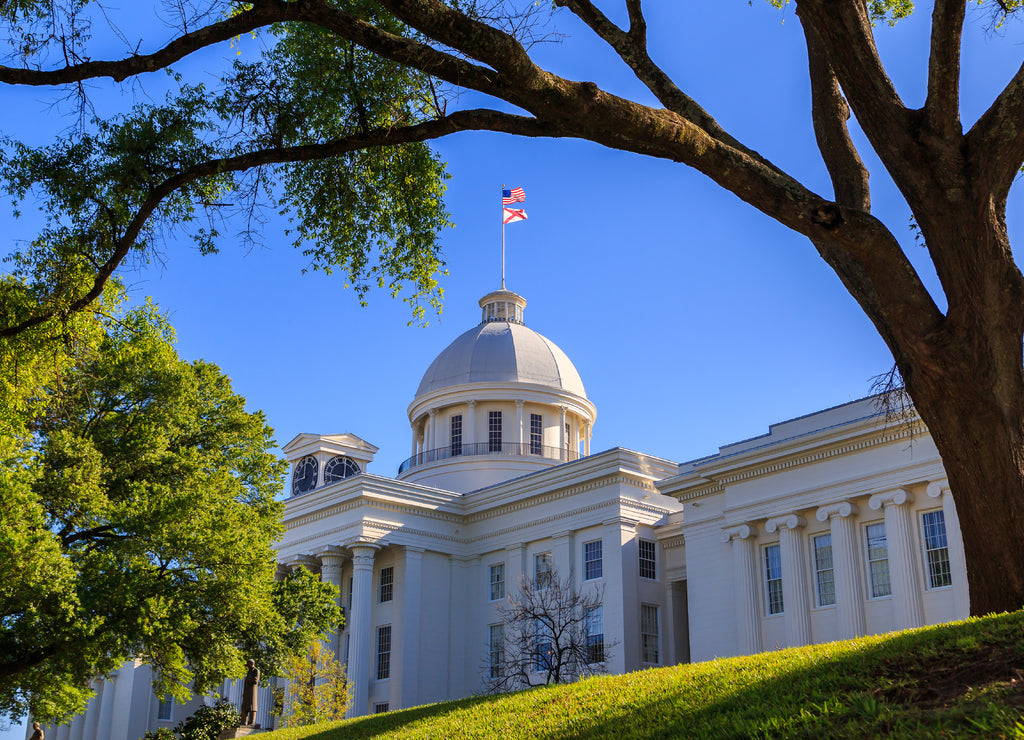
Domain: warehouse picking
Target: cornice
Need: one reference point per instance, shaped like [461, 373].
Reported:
[709, 482]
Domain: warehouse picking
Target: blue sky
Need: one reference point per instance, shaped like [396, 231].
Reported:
[693, 320]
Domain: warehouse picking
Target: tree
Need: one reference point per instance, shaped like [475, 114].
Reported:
[137, 516]
[549, 632]
[362, 84]
[318, 689]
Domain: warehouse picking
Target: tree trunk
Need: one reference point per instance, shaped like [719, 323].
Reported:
[981, 452]
[967, 383]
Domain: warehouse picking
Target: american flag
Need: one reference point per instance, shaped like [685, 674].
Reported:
[515, 195]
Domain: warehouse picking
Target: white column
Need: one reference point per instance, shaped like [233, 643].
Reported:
[405, 694]
[744, 566]
[794, 578]
[906, 595]
[463, 651]
[433, 443]
[78, 724]
[955, 546]
[331, 563]
[562, 555]
[519, 425]
[63, 732]
[846, 568]
[415, 438]
[469, 428]
[106, 708]
[514, 567]
[361, 641]
[122, 705]
[561, 432]
[92, 711]
[586, 438]
[621, 600]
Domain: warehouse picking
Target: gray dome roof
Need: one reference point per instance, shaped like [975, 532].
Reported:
[502, 352]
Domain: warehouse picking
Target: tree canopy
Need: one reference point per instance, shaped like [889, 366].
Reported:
[330, 124]
[137, 516]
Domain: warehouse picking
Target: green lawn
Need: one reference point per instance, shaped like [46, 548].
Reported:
[957, 680]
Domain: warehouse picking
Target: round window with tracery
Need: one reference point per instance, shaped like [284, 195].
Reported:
[338, 468]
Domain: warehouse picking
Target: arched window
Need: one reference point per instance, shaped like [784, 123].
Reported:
[338, 468]
[304, 475]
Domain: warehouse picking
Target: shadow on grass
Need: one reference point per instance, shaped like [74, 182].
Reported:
[959, 680]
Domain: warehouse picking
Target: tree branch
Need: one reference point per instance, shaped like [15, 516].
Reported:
[632, 49]
[469, 120]
[995, 144]
[844, 30]
[942, 106]
[262, 14]
[829, 112]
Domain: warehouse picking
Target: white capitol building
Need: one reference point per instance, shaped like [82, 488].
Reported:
[829, 526]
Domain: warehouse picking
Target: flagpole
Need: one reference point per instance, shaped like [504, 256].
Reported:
[503, 238]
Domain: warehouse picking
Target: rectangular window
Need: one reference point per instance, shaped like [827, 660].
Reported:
[494, 431]
[455, 435]
[593, 567]
[536, 434]
[384, 652]
[593, 632]
[542, 655]
[165, 711]
[773, 578]
[387, 584]
[496, 649]
[497, 581]
[568, 437]
[649, 634]
[349, 597]
[542, 570]
[380, 707]
[824, 575]
[878, 560]
[936, 549]
[648, 559]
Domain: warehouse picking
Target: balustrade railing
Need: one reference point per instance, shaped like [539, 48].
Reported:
[508, 449]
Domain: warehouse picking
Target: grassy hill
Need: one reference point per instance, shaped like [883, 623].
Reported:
[964, 679]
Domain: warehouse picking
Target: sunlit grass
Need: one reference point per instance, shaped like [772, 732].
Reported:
[964, 679]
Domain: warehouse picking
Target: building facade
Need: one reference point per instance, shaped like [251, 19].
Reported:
[832, 525]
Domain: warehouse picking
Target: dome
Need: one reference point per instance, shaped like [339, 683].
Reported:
[502, 350]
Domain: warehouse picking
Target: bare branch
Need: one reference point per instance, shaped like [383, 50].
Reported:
[942, 107]
[995, 144]
[830, 112]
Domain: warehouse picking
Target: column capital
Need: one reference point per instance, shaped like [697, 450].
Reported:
[471, 403]
[308, 562]
[564, 535]
[515, 546]
[519, 403]
[563, 410]
[787, 521]
[363, 554]
[432, 412]
[936, 489]
[621, 521]
[332, 557]
[897, 497]
[414, 549]
[742, 532]
[838, 510]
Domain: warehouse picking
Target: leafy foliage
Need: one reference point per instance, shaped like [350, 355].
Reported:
[137, 504]
[318, 689]
[209, 721]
